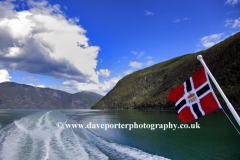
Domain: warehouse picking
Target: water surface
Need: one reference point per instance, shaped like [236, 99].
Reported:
[33, 134]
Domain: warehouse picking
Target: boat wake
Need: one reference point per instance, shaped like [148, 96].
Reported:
[37, 137]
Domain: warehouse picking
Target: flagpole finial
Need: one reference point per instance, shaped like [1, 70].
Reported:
[199, 57]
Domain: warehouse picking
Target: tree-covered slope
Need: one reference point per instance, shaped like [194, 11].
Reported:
[149, 87]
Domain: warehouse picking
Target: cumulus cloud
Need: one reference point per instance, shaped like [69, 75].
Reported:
[148, 13]
[73, 86]
[136, 64]
[30, 78]
[104, 72]
[42, 41]
[233, 23]
[232, 2]
[4, 76]
[209, 41]
[7, 10]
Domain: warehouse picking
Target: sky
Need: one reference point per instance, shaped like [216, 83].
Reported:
[89, 45]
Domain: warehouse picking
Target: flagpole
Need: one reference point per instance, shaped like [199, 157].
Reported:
[200, 58]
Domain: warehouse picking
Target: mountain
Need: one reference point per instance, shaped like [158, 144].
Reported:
[91, 95]
[21, 96]
[149, 87]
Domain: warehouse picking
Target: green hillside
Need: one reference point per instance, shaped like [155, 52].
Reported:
[149, 87]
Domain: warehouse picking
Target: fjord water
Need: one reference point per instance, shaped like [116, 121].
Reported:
[33, 134]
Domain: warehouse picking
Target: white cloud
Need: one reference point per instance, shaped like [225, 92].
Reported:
[39, 85]
[231, 12]
[128, 72]
[176, 21]
[6, 10]
[140, 55]
[107, 85]
[232, 2]
[73, 21]
[43, 41]
[197, 50]
[234, 33]
[73, 86]
[233, 23]
[148, 13]
[148, 57]
[198, 45]
[135, 53]
[136, 64]
[65, 7]
[149, 63]
[104, 72]
[179, 20]
[208, 44]
[209, 41]
[4, 76]
[30, 78]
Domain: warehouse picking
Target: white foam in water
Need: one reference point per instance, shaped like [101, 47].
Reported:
[115, 150]
[37, 137]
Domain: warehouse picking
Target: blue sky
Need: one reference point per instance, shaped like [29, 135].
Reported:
[90, 45]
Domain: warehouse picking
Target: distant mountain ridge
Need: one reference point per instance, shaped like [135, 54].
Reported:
[21, 96]
[95, 97]
[149, 87]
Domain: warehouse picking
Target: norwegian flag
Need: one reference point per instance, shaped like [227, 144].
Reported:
[195, 97]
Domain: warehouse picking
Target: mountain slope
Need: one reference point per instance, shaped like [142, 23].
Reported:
[149, 87]
[20, 96]
[91, 96]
